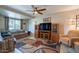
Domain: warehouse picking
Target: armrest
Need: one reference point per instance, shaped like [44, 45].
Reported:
[64, 35]
[72, 40]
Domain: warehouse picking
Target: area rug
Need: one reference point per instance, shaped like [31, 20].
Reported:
[20, 44]
[30, 45]
[27, 48]
[32, 49]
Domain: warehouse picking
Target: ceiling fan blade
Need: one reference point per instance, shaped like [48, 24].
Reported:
[40, 13]
[41, 9]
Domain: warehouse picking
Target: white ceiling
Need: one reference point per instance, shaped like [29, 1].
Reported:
[51, 9]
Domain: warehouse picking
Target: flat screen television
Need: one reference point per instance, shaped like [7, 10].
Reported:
[45, 26]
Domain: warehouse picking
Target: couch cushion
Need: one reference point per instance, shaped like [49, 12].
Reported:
[4, 34]
[73, 33]
[64, 40]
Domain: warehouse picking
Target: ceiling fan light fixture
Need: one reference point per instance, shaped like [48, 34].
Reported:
[35, 12]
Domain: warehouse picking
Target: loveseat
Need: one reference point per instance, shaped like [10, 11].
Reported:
[70, 38]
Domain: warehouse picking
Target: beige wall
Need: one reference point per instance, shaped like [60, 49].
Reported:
[63, 18]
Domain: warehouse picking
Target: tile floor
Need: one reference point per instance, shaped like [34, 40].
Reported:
[66, 49]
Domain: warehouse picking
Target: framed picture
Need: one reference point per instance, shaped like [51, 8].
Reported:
[77, 22]
[46, 20]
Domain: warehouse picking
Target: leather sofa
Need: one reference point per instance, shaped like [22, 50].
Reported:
[70, 38]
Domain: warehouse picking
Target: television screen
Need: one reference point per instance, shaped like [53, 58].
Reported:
[45, 26]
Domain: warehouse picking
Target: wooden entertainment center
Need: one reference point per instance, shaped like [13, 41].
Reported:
[52, 34]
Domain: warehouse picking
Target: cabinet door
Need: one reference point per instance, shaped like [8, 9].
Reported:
[55, 28]
[41, 35]
[46, 36]
[55, 37]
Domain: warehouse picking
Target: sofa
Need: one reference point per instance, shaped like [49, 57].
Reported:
[70, 38]
[19, 34]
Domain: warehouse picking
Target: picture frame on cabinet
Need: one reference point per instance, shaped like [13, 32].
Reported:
[47, 20]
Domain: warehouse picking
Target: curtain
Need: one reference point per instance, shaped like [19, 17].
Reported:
[6, 23]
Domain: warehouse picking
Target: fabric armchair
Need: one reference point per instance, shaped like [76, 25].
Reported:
[7, 43]
[73, 35]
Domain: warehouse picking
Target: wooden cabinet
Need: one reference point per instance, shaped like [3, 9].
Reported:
[45, 35]
[55, 28]
[55, 33]
[52, 34]
[37, 33]
[54, 37]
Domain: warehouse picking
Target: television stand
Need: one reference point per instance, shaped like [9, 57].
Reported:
[52, 34]
[45, 34]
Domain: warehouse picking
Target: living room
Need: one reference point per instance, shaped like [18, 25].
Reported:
[26, 25]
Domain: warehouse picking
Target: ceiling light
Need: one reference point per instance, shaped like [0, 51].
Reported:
[36, 13]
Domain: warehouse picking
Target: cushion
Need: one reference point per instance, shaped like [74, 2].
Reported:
[73, 33]
[4, 34]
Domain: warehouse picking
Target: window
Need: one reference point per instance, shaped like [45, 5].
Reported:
[14, 24]
[77, 24]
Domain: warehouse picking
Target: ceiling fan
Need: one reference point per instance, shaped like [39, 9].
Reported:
[37, 10]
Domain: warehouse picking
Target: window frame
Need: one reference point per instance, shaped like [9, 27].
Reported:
[15, 21]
